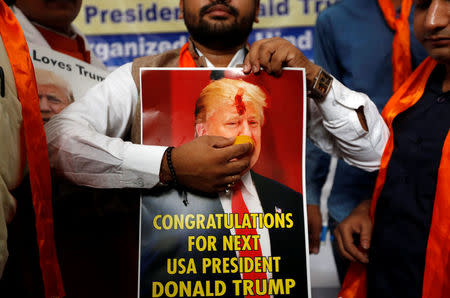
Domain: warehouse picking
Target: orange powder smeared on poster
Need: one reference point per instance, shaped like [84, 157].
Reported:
[240, 106]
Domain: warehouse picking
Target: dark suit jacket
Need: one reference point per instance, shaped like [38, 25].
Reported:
[158, 246]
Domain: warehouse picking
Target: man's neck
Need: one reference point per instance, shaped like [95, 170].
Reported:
[65, 31]
[219, 58]
[446, 84]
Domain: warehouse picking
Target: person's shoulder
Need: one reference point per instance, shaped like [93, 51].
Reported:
[272, 185]
[166, 59]
[333, 9]
[340, 9]
[277, 196]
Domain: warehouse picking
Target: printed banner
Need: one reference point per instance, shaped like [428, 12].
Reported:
[61, 79]
[120, 31]
[250, 239]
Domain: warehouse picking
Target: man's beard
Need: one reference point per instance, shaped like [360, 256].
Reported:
[219, 36]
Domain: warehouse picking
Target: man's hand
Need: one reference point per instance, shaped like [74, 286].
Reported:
[209, 163]
[314, 228]
[274, 53]
[358, 222]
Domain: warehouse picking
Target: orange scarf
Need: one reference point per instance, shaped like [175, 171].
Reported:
[401, 53]
[186, 59]
[36, 148]
[436, 281]
[74, 47]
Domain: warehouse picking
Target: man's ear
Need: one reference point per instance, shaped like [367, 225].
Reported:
[200, 129]
[181, 14]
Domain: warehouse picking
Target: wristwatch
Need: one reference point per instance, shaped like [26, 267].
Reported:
[320, 86]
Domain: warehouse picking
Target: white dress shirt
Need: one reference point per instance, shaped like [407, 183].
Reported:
[85, 140]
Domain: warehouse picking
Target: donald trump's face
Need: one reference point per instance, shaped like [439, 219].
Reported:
[230, 108]
[228, 120]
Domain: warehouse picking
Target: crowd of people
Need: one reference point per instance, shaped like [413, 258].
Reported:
[378, 99]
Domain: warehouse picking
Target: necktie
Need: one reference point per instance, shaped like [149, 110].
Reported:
[36, 149]
[401, 53]
[238, 206]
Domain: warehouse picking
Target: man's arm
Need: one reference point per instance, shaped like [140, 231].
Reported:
[85, 140]
[86, 146]
[346, 123]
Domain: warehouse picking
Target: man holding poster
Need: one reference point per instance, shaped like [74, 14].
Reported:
[246, 227]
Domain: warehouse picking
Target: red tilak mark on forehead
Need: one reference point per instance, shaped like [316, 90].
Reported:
[240, 106]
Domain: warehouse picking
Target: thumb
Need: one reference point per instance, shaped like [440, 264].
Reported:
[366, 234]
[315, 238]
[220, 142]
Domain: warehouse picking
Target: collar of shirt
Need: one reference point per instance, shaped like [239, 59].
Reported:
[249, 187]
[72, 45]
[237, 59]
[249, 193]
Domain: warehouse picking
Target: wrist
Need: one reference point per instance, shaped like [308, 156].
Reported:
[312, 70]
[164, 172]
[319, 85]
[364, 207]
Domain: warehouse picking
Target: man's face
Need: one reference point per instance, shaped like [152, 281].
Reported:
[432, 29]
[219, 24]
[52, 100]
[225, 121]
[56, 14]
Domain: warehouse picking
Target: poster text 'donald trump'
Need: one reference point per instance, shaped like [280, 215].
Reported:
[248, 240]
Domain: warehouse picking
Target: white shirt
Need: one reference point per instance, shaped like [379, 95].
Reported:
[334, 126]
